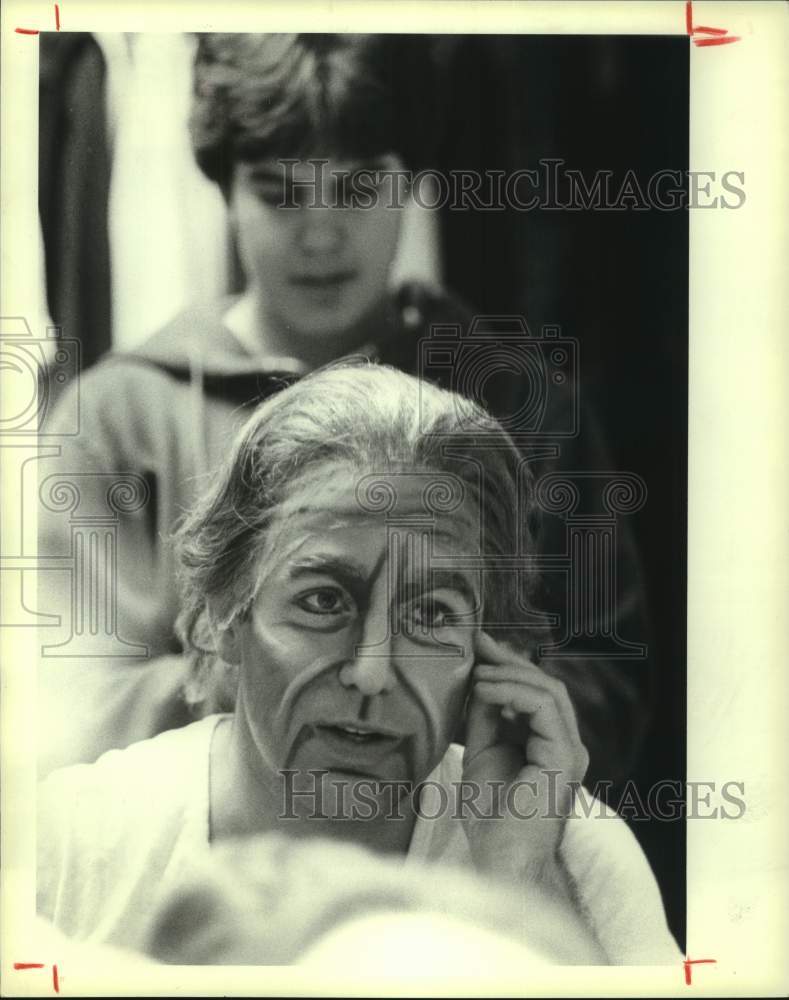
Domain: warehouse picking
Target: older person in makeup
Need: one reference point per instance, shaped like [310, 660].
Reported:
[353, 618]
[345, 570]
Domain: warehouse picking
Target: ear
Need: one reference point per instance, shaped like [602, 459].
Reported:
[229, 642]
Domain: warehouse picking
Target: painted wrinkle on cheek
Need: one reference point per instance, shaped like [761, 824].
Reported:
[441, 703]
[289, 662]
[275, 639]
[318, 667]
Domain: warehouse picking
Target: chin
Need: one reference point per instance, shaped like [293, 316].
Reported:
[330, 323]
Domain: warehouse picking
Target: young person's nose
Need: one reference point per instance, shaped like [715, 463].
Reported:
[322, 230]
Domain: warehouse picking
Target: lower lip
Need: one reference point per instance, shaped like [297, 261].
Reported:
[345, 749]
[321, 289]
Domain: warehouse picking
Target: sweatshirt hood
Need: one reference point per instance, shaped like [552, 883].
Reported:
[199, 337]
[198, 349]
[200, 333]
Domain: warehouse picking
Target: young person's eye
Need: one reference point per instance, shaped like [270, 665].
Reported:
[271, 194]
[346, 187]
[375, 179]
[358, 187]
[325, 601]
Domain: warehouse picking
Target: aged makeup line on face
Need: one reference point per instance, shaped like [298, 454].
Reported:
[355, 655]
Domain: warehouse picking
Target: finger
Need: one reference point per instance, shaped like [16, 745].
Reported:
[526, 672]
[553, 689]
[492, 653]
[482, 725]
[488, 649]
[559, 747]
[545, 719]
[541, 752]
[485, 747]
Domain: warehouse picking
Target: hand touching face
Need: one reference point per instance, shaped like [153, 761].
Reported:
[522, 733]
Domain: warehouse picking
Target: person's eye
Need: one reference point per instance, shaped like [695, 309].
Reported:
[347, 185]
[432, 614]
[376, 179]
[272, 194]
[325, 601]
[358, 186]
[429, 614]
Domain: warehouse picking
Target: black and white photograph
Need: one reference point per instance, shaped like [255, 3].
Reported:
[356, 476]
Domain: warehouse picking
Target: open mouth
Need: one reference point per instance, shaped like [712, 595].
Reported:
[351, 744]
[356, 735]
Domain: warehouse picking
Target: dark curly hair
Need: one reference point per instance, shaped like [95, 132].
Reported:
[348, 96]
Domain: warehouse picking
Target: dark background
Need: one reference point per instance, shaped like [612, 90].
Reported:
[616, 281]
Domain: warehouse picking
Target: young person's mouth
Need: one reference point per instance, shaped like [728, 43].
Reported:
[323, 282]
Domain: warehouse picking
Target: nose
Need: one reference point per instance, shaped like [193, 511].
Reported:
[322, 230]
[370, 669]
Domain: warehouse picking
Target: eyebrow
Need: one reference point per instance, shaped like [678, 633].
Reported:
[261, 173]
[452, 579]
[377, 163]
[346, 571]
[442, 579]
